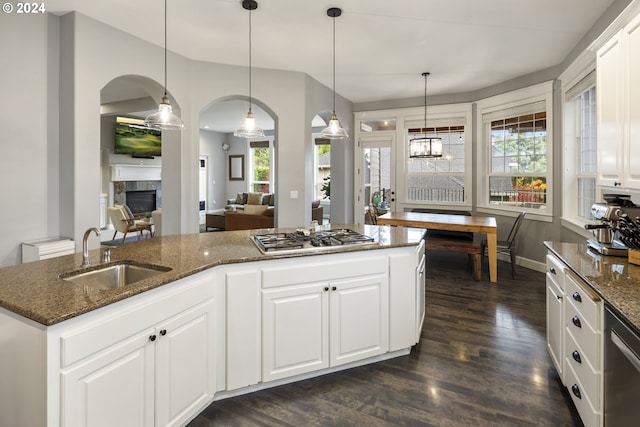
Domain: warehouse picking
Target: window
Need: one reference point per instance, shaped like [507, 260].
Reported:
[260, 161]
[439, 179]
[519, 161]
[579, 147]
[516, 139]
[322, 163]
[586, 167]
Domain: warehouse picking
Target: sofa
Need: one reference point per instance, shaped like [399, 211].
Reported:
[242, 200]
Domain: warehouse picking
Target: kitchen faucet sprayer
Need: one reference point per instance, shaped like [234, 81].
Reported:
[85, 245]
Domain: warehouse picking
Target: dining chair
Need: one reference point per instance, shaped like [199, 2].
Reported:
[508, 247]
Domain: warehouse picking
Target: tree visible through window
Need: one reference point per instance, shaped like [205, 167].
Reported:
[519, 161]
[260, 166]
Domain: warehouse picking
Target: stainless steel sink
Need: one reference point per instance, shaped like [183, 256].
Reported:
[114, 276]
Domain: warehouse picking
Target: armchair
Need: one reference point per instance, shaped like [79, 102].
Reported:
[124, 224]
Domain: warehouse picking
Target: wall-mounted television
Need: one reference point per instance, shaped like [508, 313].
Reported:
[134, 138]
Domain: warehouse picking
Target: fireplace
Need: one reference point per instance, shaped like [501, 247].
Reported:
[141, 201]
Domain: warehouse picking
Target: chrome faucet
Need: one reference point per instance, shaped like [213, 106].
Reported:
[85, 246]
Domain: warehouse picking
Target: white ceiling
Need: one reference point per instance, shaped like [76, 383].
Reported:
[382, 46]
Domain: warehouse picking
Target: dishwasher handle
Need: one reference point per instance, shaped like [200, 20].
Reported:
[631, 357]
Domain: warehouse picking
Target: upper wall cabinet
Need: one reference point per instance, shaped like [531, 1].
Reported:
[618, 103]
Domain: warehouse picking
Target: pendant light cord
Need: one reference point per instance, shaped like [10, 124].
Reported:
[165, 48]
[425, 103]
[334, 65]
[250, 99]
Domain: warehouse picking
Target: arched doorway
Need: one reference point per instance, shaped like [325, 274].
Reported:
[129, 97]
[218, 147]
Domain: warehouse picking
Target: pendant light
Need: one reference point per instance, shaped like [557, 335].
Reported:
[334, 131]
[249, 128]
[424, 146]
[164, 117]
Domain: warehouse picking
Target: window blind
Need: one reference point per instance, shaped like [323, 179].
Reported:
[584, 84]
[519, 110]
[259, 144]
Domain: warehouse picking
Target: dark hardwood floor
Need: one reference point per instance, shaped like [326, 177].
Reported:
[481, 361]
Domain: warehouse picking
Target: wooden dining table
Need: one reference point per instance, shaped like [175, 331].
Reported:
[476, 224]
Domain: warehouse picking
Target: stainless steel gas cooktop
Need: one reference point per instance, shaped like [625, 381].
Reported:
[294, 242]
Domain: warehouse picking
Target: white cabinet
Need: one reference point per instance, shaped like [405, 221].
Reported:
[314, 317]
[574, 338]
[555, 313]
[295, 332]
[114, 388]
[242, 326]
[406, 296]
[618, 109]
[153, 365]
[323, 324]
[358, 315]
[583, 349]
[155, 377]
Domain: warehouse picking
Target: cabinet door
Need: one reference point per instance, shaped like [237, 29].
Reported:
[185, 364]
[359, 318]
[632, 154]
[555, 326]
[610, 103]
[113, 388]
[295, 330]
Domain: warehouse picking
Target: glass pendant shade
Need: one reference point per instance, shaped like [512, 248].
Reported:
[164, 117]
[249, 128]
[334, 131]
[425, 147]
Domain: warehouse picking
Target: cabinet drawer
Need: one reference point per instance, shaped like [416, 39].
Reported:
[590, 417]
[583, 333]
[297, 271]
[584, 298]
[585, 372]
[555, 271]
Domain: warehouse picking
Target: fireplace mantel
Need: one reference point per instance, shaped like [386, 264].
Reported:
[136, 173]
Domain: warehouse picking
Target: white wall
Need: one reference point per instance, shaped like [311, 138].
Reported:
[29, 211]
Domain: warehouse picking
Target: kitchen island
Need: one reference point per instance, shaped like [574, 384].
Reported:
[225, 319]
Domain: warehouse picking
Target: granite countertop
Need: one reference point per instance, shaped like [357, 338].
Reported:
[613, 278]
[35, 291]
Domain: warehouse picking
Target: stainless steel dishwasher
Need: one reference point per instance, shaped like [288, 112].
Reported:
[621, 373]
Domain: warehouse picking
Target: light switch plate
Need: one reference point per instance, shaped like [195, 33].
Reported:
[293, 194]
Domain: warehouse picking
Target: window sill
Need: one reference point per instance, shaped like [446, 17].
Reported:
[531, 215]
[577, 226]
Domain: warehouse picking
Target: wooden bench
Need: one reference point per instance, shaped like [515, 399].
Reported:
[455, 241]
[459, 245]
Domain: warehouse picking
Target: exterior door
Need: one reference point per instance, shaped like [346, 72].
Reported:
[377, 191]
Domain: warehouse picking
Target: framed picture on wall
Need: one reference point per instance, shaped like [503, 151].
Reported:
[236, 167]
